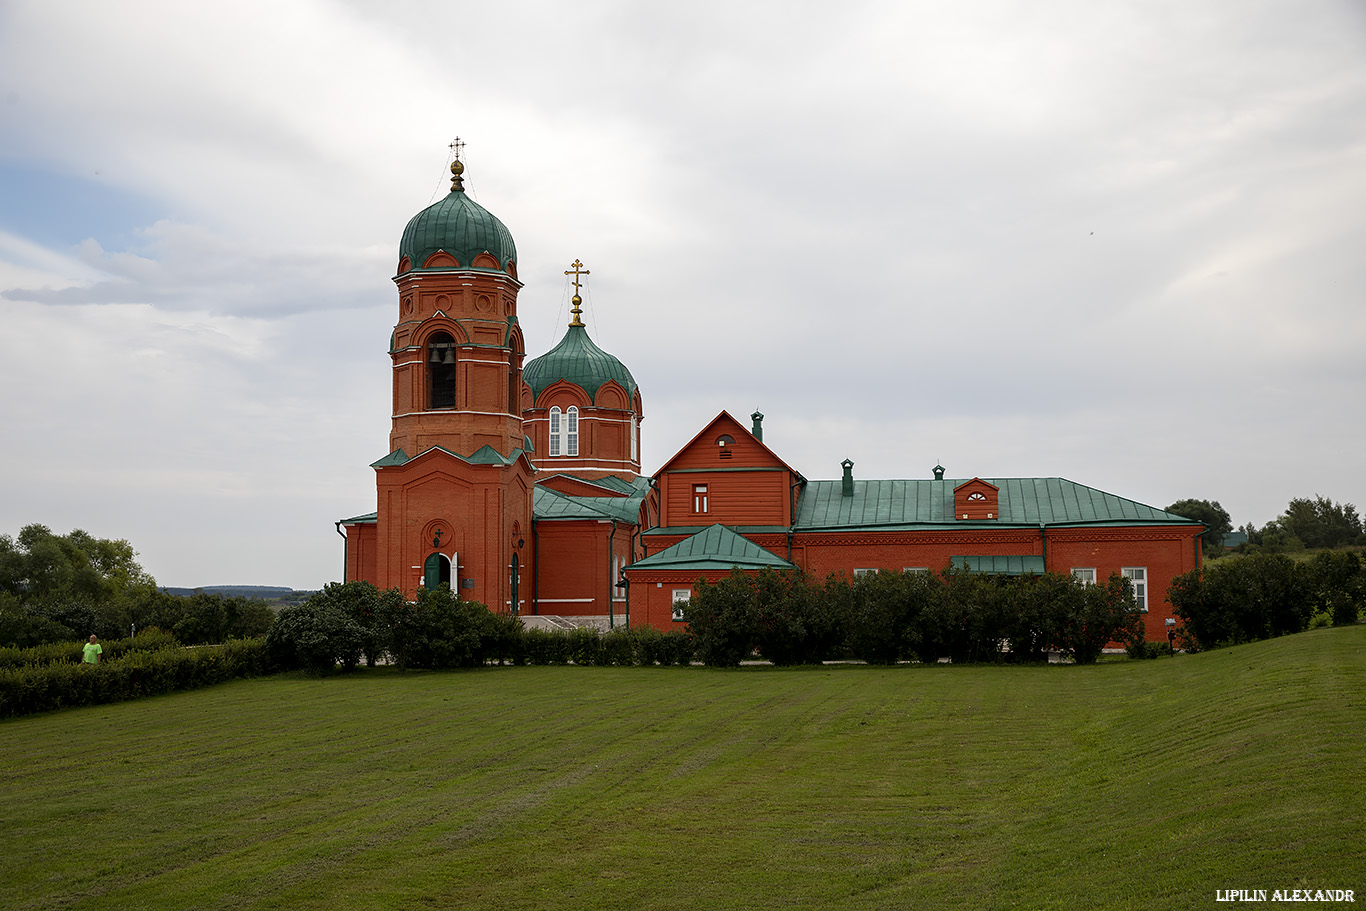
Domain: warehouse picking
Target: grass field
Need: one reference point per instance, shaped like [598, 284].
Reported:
[1129, 784]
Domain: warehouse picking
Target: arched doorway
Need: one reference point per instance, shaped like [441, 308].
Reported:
[436, 571]
[514, 580]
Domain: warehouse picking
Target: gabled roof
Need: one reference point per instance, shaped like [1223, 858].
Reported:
[550, 504]
[1022, 501]
[731, 424]
[716, 547]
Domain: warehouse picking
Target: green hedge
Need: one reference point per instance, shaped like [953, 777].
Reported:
[72, 652]
[31, 688]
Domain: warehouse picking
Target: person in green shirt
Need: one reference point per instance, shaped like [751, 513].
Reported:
[93, 650]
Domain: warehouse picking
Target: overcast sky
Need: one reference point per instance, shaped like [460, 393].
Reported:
[1120, 243]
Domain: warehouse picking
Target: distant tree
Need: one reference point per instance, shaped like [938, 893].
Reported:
[1215, 517]
[65, 586]
[1319, 522]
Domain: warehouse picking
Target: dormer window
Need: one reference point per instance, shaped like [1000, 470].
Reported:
[726, 445]
[440, 360]
[976, 500]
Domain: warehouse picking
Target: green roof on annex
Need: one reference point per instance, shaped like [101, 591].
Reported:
[715, 547]
[548, 504]
[1022, 501]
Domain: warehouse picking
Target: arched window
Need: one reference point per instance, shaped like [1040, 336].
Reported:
[440, 371]
[572, 419]
[555, 430]
[635, 438]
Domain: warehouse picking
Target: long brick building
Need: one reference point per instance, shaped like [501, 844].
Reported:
[518, 482]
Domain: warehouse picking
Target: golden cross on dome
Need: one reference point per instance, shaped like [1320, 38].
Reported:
[457, 169]
[578, 272]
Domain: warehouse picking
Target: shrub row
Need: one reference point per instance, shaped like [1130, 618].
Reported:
[886, 617]
[197, 619]
[1264, 595]
[72, 652]
[346, 623]
[30, 688]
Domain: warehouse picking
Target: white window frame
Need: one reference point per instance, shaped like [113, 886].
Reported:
[915, 569]
[555, 429]
[572, 431]
[1080, 574]
[699, 499]
[1138, 578]
[681, 596]
[618, 564]
[635, 439]
[865, 571]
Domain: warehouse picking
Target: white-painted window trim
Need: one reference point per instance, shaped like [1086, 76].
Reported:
[555, 429]
[1086, 575]
[1138, 577]
[681, 596]
[572, 420]
[865, 571]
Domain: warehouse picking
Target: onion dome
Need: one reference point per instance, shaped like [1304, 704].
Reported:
[459, 226]
[577, 360]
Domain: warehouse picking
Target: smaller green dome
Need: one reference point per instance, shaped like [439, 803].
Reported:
[577, 360]
[459, 226]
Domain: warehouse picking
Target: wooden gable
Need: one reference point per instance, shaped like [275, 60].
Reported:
[725, 474]
[976, 499]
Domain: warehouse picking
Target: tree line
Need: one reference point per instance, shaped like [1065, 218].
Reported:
[62, 587]
[1308, 523]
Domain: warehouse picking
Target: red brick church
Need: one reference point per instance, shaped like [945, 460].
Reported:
[518, 482]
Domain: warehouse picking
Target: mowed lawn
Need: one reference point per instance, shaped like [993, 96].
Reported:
[1125, 785]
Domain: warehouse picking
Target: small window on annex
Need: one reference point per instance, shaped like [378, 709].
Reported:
[1086, 575]
[680, 599]
[699, 498]
[440, 371]
[1138, 577]
[864, 572]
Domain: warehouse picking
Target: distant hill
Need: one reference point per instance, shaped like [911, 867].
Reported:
[264, 592]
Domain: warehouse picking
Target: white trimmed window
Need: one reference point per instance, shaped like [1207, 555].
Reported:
[864, 572]
[915, 569]
[572, 419]
[681, 597]
[618, 564]
[555, 429]
[1138, 577]
[1086, 575]
[635, 439]
[699, 498]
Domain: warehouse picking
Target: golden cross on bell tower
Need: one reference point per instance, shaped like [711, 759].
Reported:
[578, 271]
[457, 169]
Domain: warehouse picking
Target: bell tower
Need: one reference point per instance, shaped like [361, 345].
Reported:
[457, 349]
[454, 494]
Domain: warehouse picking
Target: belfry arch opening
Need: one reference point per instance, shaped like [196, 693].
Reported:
[440, 359]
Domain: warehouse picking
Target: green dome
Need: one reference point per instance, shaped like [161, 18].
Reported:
[461, 227]
[579, 361]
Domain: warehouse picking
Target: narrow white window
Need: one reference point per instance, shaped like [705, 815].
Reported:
[681, 596]
[555, 431]
[699, 498]
[635, 439]
[572, 419]
[1138, 576]
[1086, 575]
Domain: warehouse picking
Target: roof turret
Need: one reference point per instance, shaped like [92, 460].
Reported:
[576, 359]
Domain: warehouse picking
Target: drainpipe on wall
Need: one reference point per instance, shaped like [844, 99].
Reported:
[535, 569]
[611, 560]
[346, 550]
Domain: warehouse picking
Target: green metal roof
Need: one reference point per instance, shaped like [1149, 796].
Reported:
[461, 227]
[1001, 566]
[1022, 501]
[552, 504]
[484, 455]
[367, 518]
[579, 361]
[716, 547]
